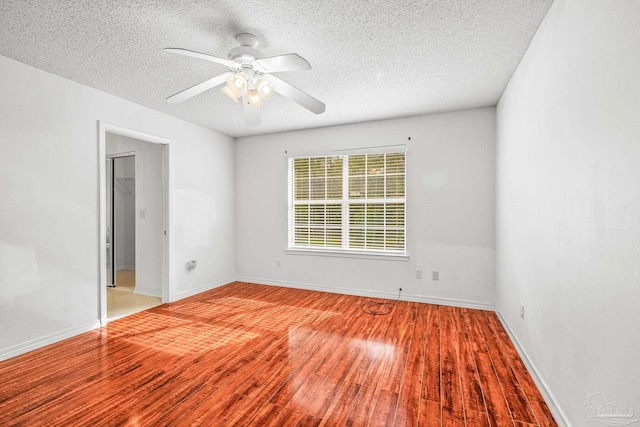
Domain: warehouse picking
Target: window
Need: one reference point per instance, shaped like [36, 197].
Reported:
[350, 203]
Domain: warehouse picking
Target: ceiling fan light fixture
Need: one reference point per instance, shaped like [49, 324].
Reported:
[230, 94]
[265, 89]
[253, 98]
[238, 84]
[250, 78]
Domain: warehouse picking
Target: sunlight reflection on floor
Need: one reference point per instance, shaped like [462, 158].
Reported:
[200, 326]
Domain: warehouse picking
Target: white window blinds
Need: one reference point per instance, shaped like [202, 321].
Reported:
[348, 202]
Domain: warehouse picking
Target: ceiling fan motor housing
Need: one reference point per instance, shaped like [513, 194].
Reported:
[244, 54]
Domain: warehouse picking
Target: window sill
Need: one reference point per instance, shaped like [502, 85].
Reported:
[348, 254]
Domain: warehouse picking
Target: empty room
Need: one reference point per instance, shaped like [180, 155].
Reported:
[343, 213]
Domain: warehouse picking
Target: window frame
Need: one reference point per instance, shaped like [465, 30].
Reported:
[346, 203]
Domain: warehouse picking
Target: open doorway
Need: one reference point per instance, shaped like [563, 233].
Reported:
[122, 296]
[133, 218]
[121, 199]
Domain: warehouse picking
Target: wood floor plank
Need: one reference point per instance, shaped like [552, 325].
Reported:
[471, 387]
[411, 391]
[256, 355]
[497, 408]
[326, 392]
[341, 373]
[266, 413]
[391, 382]
[451, 397]
[385, 409]
[539, 406]
[291, 385]
[515, 396]
[341, 405]
[280, 349]
[394, 380]
[308, 421]
[431, 377]
[384, 355]
[430, 414]
[276, 371]
[319, 365]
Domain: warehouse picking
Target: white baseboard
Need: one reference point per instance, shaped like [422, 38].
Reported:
[36, 343]
[370, 293]
[477, 305]
[548, 396]
[207, 287]
[148, 292]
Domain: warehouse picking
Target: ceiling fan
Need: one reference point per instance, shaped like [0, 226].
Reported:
[249, 78]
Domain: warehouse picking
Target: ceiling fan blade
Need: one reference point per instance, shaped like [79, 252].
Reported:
[296, 95]
[251, 114]
[186, 52]
[288, 62]
[199, 88]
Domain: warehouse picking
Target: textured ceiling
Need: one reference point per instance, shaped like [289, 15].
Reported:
[371, 59]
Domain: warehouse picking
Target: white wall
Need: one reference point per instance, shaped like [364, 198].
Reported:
[450, 213]
[149, 197]
[49, 267]
[568, 203]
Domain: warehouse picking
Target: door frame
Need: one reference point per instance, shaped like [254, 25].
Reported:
[103, 129]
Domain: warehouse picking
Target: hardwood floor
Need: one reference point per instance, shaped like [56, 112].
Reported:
[247, 354]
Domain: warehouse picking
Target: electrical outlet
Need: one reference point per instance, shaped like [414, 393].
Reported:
[278, 263]
[435, 275]
[522, 311]
[418, 274]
